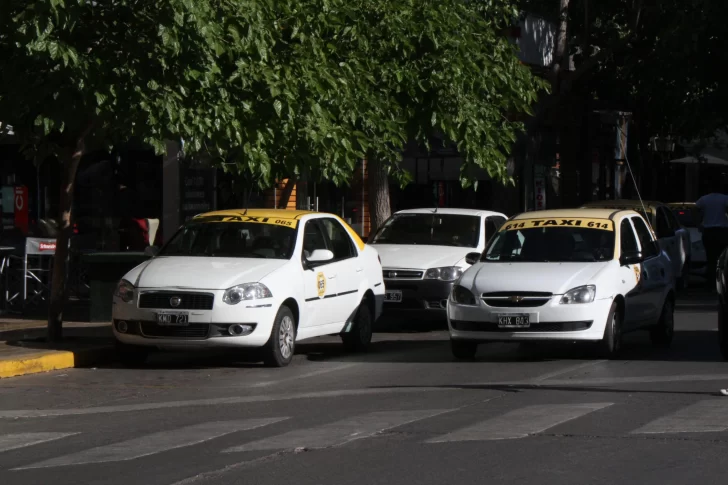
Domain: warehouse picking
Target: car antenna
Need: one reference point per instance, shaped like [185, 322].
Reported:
[247, 201]
[634, 181]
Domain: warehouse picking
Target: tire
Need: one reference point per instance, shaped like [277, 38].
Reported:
[662, 334]
[281, 346]
[131, 355]
[463, 350]
[611, 343]
[359, 336]
[723, 330]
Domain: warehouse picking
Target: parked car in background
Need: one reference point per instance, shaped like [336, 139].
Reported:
[585, 275]
[672, 237]
[423, 252]
[688, 214]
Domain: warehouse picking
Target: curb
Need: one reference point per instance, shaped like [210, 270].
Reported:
[45, 361]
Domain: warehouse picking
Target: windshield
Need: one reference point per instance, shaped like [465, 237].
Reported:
[232, 240]
[430, 229]
[688, 217]
[552, 244]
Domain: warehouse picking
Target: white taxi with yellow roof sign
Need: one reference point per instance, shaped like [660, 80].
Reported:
[573, 275]
[255, 278]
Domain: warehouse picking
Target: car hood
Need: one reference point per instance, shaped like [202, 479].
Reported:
[203, 273]
[413, 256]
[556, 278]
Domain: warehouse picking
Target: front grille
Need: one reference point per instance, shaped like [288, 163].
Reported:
[193, 330]
[465, 326]
[402, 274]
[522, 299]
[189, 301]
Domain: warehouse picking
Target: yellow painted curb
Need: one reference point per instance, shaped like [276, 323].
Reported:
[35, 363]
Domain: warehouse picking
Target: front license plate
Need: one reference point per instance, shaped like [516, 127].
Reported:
[393, 296]
[169, 319]
[513, 321]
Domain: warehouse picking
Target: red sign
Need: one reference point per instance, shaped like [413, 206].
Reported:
[21, 208]
[47, 246]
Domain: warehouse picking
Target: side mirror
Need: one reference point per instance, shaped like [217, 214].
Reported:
[320, 256]
[632, 257]
[472, 258]
[151, 251]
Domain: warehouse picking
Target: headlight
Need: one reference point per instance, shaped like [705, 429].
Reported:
[246, 291]
[582, 294]
[125, 291]
[448, 273]
[462, 295]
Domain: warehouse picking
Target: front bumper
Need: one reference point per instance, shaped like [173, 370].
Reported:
[419, 295]
[205, 329]
[551, 321]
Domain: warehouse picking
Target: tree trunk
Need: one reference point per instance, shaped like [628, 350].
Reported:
[561, 48]
[379, 204]
[60, 260]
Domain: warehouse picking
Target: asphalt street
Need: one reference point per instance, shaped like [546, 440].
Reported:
[403, 413]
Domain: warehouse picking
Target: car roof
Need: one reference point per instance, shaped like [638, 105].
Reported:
[624, 203]
[570, 213]
[453, 211]
[277, 213]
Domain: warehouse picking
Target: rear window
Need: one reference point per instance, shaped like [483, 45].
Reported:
[688, 217]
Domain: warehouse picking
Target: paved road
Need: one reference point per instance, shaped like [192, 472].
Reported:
[404, 413]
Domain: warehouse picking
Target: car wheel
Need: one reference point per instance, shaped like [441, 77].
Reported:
[662, 334]
[281, 345]
[611, 343]
[723, 330]
[131, 355]
[359, 336]
[463, 350]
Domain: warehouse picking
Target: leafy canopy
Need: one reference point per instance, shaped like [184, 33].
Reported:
[273, 87]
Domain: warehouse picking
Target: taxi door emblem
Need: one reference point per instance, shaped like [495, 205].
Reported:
[321, 282]
[637, 271]
[175, 301]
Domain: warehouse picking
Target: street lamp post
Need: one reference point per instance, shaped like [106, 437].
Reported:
[665, 146]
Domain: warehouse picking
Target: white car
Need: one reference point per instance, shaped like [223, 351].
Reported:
[423, 252]
[688, 214]
[671, 236]
[251, 278]
[572, 275]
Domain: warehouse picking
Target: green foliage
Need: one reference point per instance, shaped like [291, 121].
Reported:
[661, 60]
[278, 87]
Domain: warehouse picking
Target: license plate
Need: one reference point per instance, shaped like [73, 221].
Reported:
[513, 321]
[169, 319]
[393, 296]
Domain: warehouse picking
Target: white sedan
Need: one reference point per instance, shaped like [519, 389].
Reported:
[251, 278]
[571, 275]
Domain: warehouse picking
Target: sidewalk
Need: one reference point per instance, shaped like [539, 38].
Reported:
[23, 349]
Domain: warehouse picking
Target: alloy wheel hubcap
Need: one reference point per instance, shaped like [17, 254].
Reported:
[285, 337]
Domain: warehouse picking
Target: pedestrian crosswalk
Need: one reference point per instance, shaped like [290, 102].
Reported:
[430, 425]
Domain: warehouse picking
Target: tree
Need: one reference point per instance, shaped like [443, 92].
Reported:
[272, 88]
[655, 59]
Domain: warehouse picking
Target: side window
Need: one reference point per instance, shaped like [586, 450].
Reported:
[649, 248]
[341, 244]
[313, 238]
[664, 228]
[627, 239]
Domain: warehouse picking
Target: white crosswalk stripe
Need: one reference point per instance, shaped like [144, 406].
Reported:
[521, 422]
[21, 440]
[155, 443]
[701, 417]
[340, 432]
